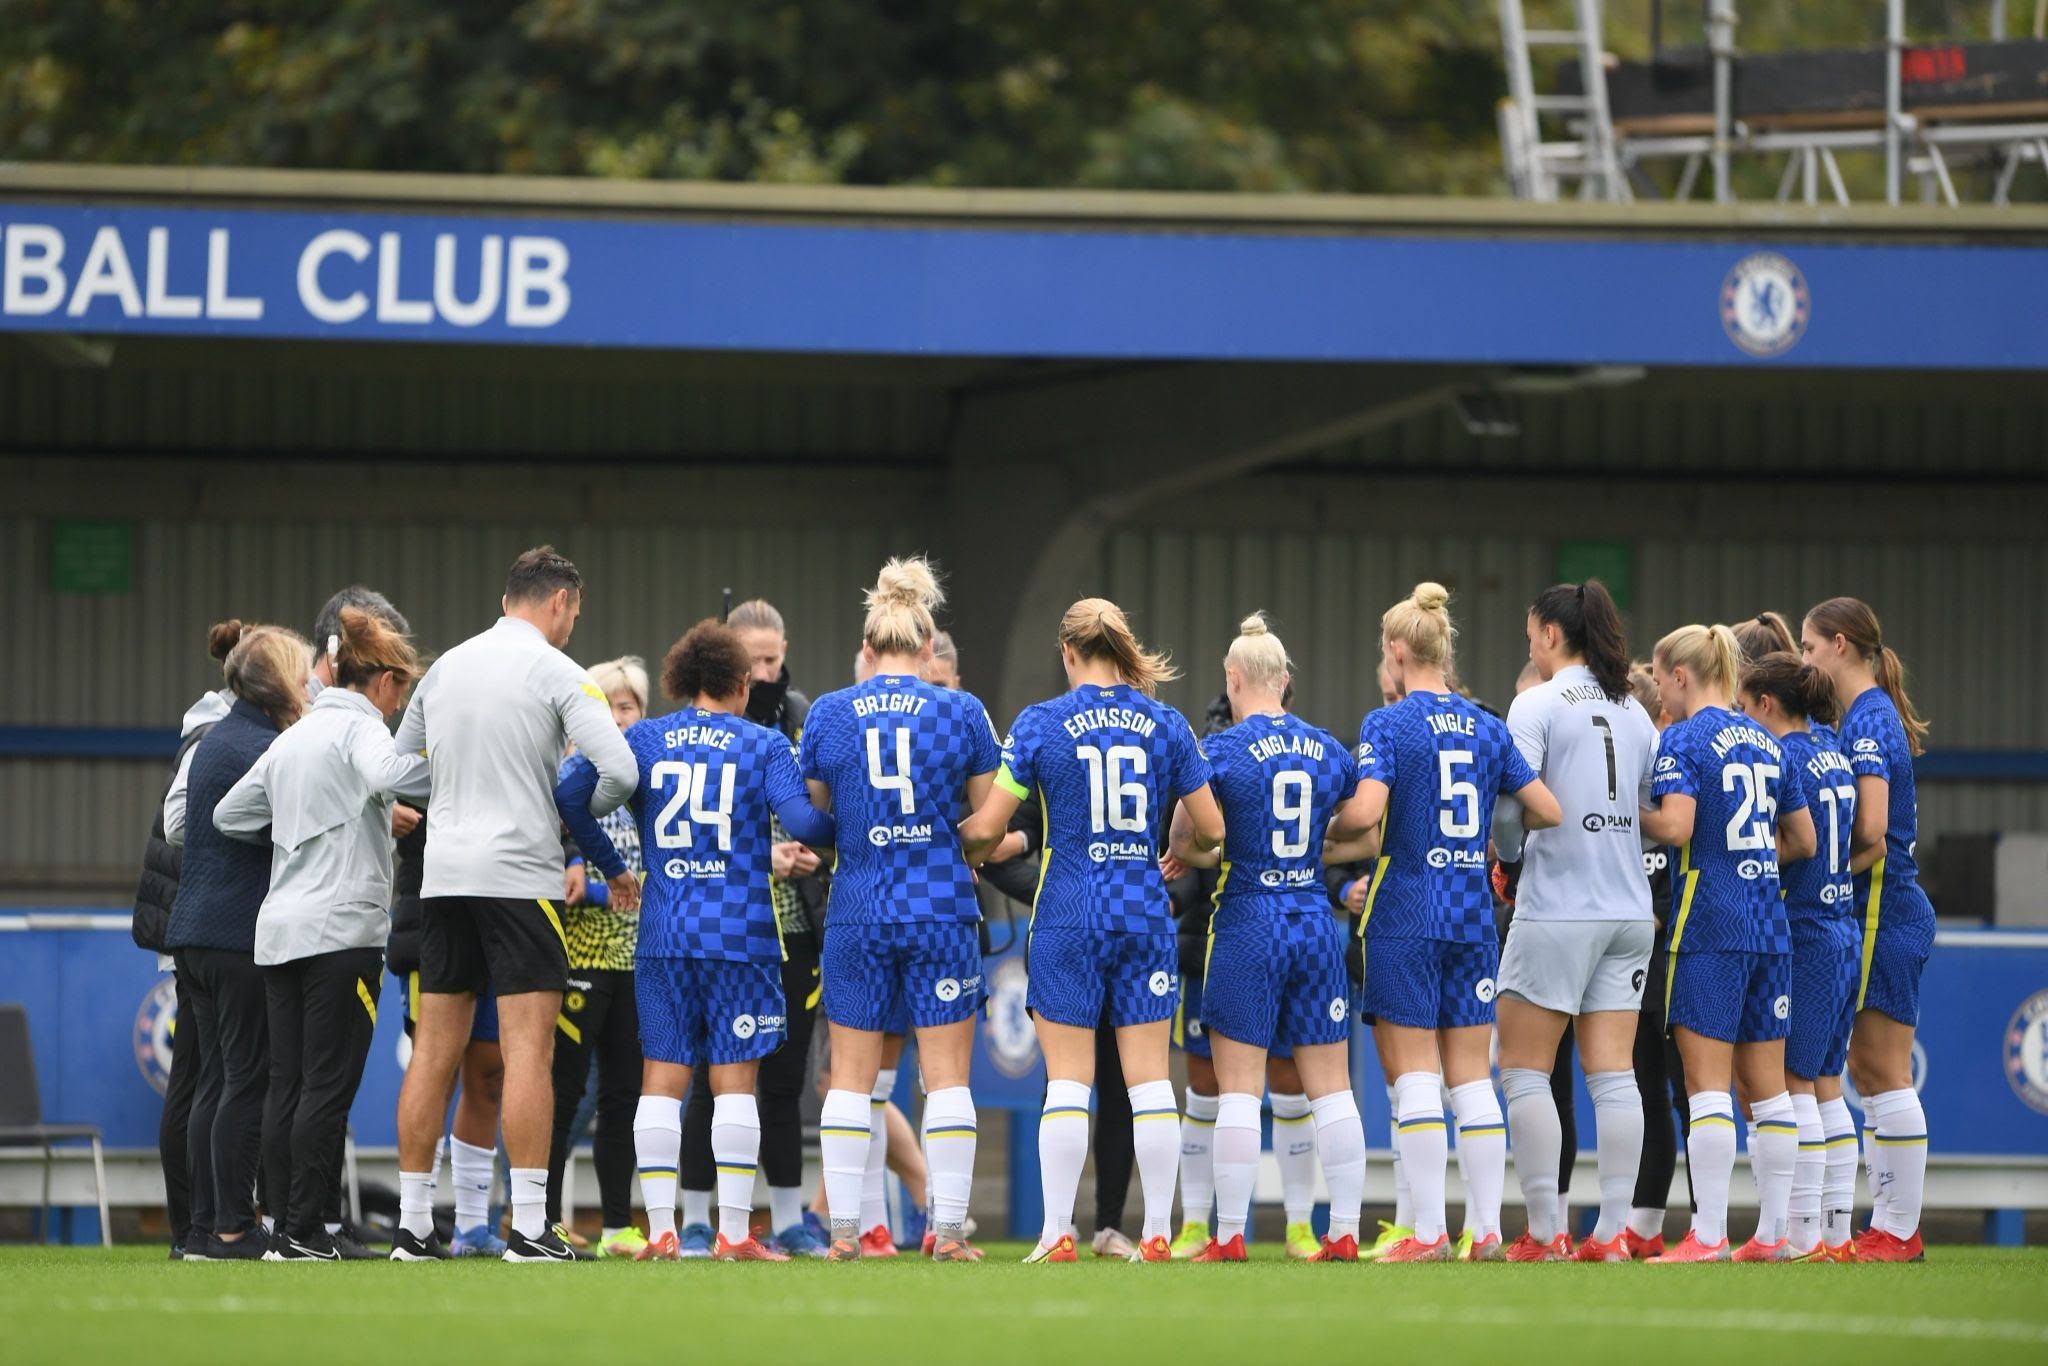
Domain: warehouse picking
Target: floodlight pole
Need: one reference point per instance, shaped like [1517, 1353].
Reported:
[1894, 108]
[1721, 43]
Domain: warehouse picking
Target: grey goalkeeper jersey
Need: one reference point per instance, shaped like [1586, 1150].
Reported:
[493, 716]
[1594, 754]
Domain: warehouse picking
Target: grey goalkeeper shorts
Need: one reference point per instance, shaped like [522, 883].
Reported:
[1577, 967]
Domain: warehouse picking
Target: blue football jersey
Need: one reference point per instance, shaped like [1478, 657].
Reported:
[897, 753]
[1444, 761]
[1821, 887]
[1108, 764]
[1874, 741]
[1279, 780]
[1727, 884]
[709, 783]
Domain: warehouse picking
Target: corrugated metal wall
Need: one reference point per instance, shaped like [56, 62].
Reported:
[1971, 620]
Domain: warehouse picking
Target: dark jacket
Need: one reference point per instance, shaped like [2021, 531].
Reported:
[402, 951]
[222, 882]
[781, 707]
[161, 860]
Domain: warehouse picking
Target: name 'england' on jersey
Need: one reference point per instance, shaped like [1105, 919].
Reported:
[1444, 761]
[1727, 884]
[708, 784]
[1595, 756]
[897, 752]
[1821, 887]
[1109, 763]
[1279, 780]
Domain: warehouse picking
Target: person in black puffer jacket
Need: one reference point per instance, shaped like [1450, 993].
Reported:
[212, 934]
[155, 892]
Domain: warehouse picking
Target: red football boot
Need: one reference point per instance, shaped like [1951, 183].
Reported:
[1414, 1250]
[1343, 1249]
[876, 1242]
[752, 1250]
[1527, 1249]
[1232, 1251]
[1641, 1248]
[1880, 1246]
[1691, 1249]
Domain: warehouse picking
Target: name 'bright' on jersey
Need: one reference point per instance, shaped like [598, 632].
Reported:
[897, 753]
[1444, 761]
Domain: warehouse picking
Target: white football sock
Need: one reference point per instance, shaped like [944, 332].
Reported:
[874, 1190]
[736, 1148]
[1539, 1142]
[530, 1201]
[469, 1171]
[1877, 1171]
[416, 1203]
[1809, 1171]
[1645, 1223]
[785, 1207]
[950, 1136]
[1618, 1139]
[1197, 1161]
[1420, 1134]
[1404, 1203]
[697, 1208]
[1237, 1161]
[657, 1147]
[1062, 1149]
[1710, 1151]
[1294, 1144]
[1777, 1145]
[1155, 1137]
[1751, 1153]
[1838, 1185]
[843, 1149]
[1902, 1145]
[1483, 1139]
[1340, 1146]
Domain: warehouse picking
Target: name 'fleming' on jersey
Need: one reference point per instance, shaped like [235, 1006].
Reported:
[1278, 780]
[1821, 887]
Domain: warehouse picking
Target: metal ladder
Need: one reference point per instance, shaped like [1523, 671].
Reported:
[1537, 166]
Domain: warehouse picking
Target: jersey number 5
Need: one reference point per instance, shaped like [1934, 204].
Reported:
[1114, 801]
[1453, 793]
[671, 830]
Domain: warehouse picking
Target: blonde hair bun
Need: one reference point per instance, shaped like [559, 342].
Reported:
[1431, 597]
[1254, 625]
[907, 581]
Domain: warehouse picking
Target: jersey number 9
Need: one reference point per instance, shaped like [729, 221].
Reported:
[671, 829]
[1114, 801]
[1291, 806]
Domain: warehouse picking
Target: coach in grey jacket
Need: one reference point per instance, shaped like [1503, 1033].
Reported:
[493, 716]
[321, 797]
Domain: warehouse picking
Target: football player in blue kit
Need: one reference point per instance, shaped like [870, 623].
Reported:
[1796, 703]
[899, 761]
[1432, 766]
[1720, 792]
[1109, 762]
[708, 969]
[1274, 972]
[1881, 734]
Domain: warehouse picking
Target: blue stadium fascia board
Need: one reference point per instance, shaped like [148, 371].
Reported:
[1099, 291]
[153, 742]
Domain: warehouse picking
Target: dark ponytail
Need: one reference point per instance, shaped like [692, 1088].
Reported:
[221, 638]
[1585, 613]
[1800, 690]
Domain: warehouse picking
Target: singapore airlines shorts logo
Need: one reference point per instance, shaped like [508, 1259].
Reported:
[743, 1027]
[1162, 982]
[156, 1022]
[1765, 304]
[1338, 1005]
[2026, 1051]
[947, 989]
[1484, 990]
[1782, 1008]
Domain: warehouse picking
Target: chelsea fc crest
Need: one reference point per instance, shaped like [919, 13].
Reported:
[156, 1022]
[2026, 1051]
[1765, 304]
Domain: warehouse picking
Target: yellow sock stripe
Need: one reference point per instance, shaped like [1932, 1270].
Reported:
[1293, 1119]
[1841, 1141]
[1902, 1141]
[658, 1172]
[1051, 1111]
[1870, 915]
[1712, 1119]
[1154, 1114]
[1500, 1128]
[843, 1131]
[568, 1026]
[1196, 1119]
[369, 1001]
[728, 1169]
[952, 1131]
[1419, 1125]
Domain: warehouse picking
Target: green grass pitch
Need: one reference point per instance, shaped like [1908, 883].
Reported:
[132, 1305]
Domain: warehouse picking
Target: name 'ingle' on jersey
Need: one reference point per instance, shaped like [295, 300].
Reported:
[1595, 755]
[1279, 780]
[708, 782]
[1108, 763]
[1822, 887]
[1444, 761]
[897, 753]
[1727, 883]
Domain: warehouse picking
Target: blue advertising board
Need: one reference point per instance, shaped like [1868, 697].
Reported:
[1072, 292]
